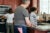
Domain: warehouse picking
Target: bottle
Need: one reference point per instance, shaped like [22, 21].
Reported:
[44, 16]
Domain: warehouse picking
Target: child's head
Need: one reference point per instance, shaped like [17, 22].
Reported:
[33, 9]
[9, 10]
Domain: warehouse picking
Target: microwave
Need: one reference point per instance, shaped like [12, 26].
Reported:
[3, 8]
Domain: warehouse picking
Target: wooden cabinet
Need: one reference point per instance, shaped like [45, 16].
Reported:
[31, 30]
[38, 31]
[1, 2]
[12, 3]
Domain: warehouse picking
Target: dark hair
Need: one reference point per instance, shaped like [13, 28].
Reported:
[9, 10]
[32, 9]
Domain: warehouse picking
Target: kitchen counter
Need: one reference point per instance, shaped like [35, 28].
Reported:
[41, 28]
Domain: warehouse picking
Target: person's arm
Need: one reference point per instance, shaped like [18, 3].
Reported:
[26, 16]
[4, 16]
[29, 24]
[13, 18]
[40, 18]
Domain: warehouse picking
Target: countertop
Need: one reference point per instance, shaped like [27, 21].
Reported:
[43, 27]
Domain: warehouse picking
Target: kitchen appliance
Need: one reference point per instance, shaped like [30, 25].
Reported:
[3, 20]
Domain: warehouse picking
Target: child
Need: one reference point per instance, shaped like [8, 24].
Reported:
[34, 18]
[9, 22]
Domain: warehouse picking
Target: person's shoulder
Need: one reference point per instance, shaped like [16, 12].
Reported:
[6, 14]
[19, 7]
[32, 13]
[12, 13]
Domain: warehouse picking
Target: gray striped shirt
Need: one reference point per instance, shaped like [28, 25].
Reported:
[33, 18]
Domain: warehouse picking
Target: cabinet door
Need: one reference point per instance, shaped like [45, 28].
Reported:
[1, 2]
[12, 3]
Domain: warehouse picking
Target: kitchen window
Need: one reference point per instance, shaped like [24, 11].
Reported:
[44, 6]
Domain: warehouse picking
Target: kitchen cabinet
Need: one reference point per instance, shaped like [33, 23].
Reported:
[38, 31]
[43, 28]
[12, 3]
